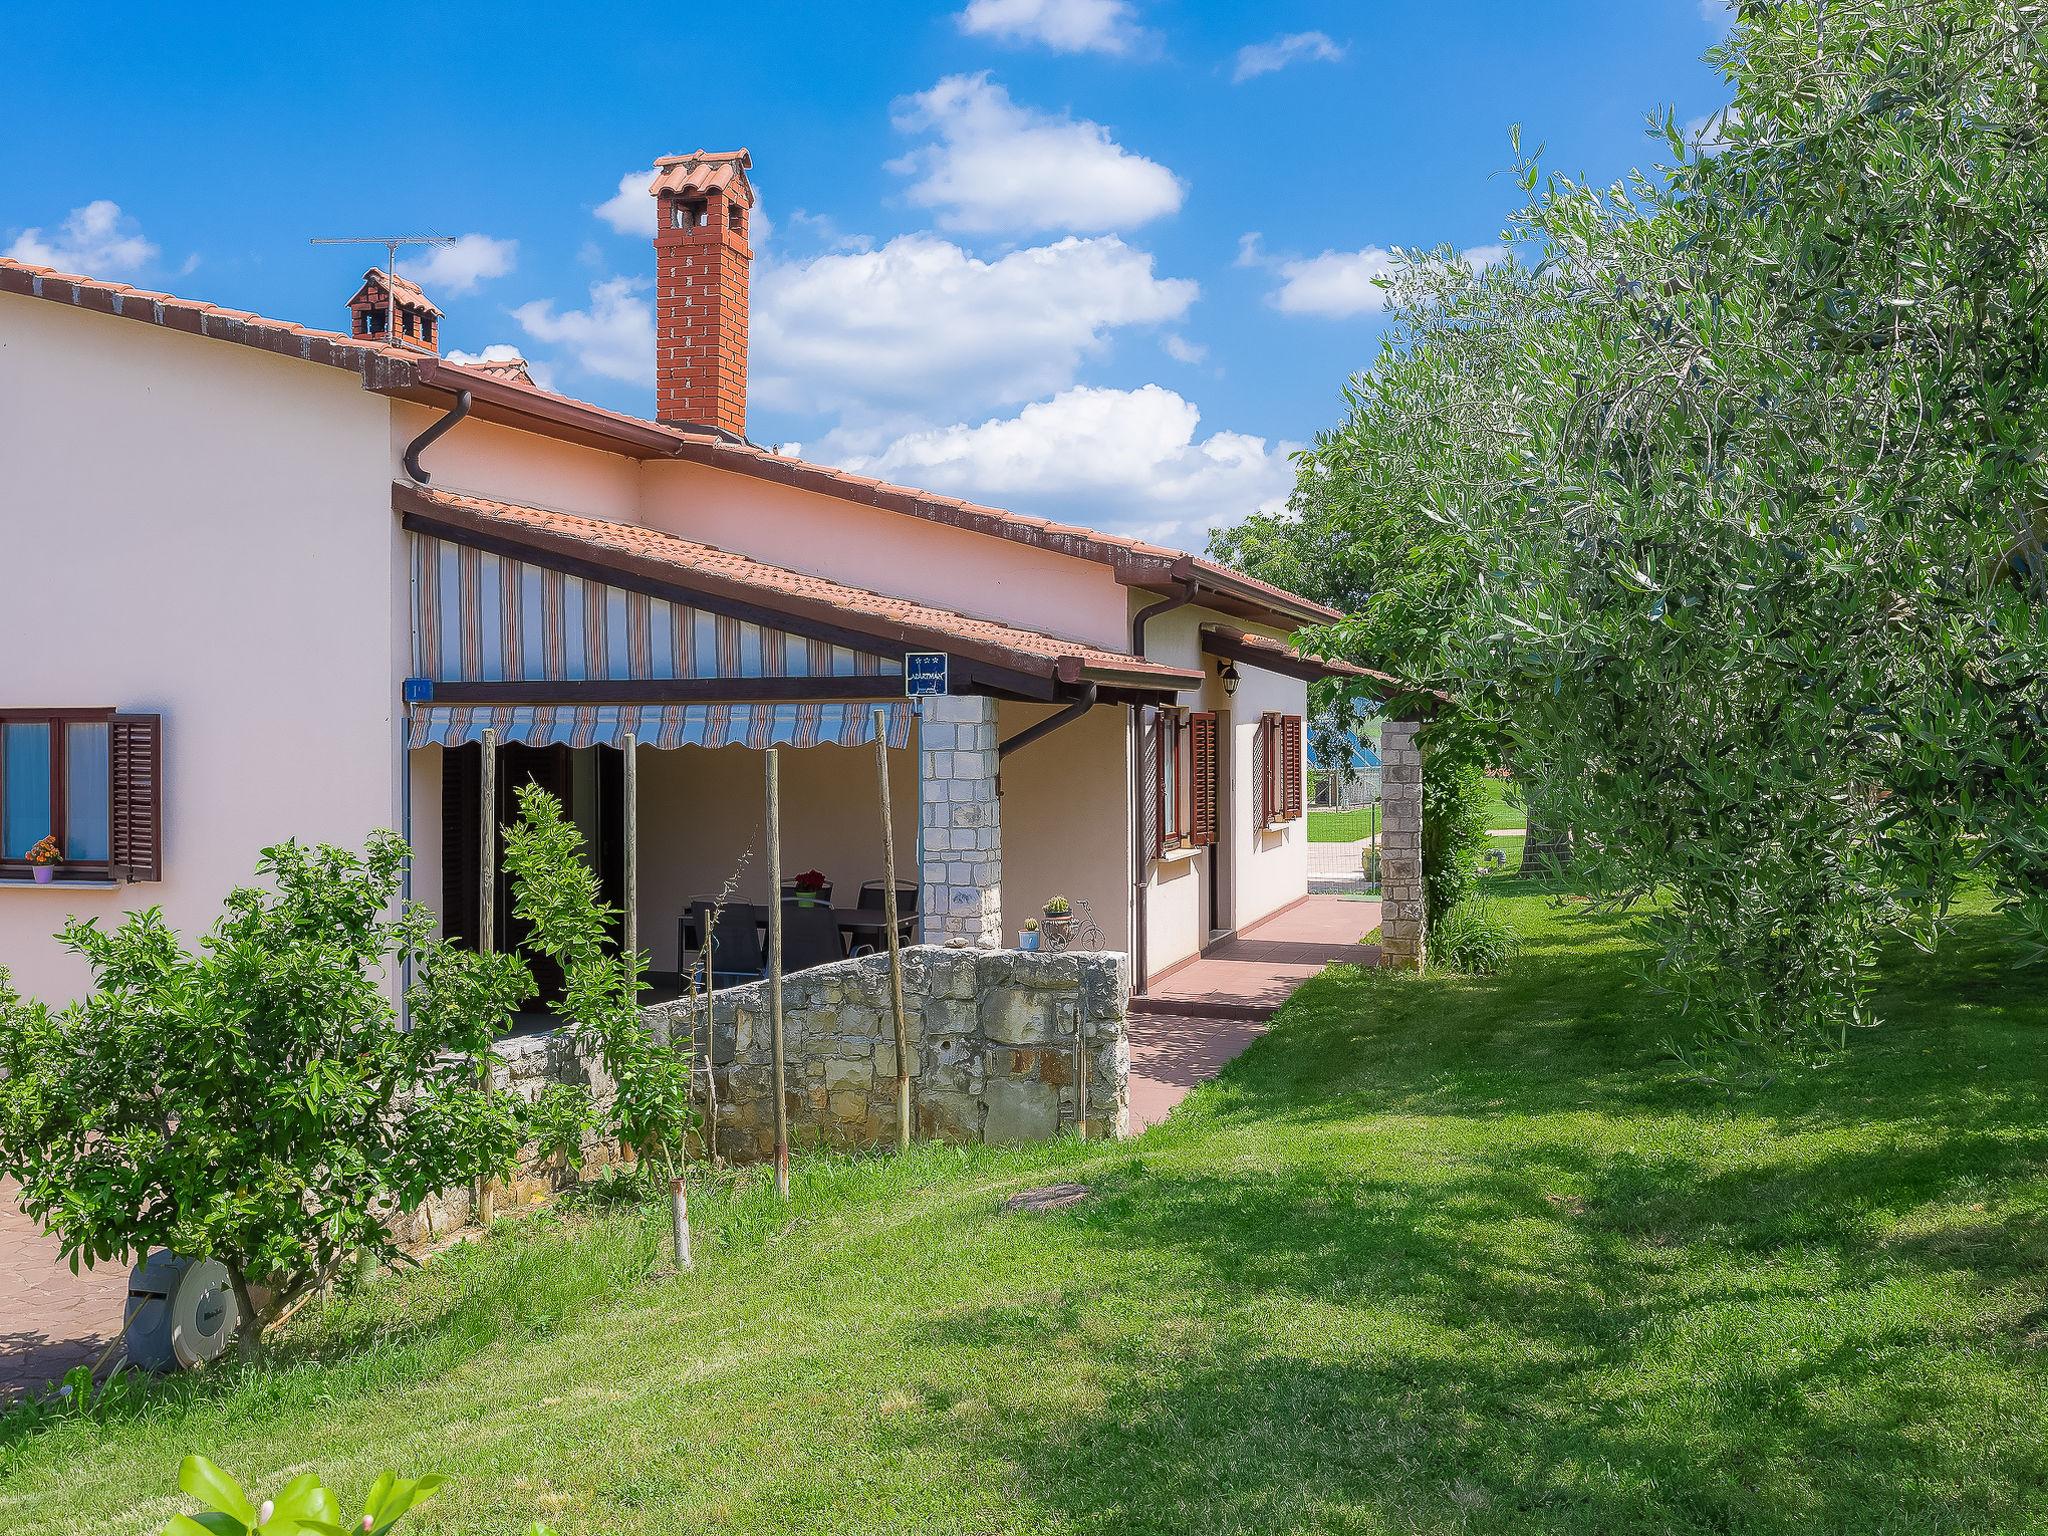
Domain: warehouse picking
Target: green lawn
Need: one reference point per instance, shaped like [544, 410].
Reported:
[1343, 826]
[1435, 1256]
[1503, 814]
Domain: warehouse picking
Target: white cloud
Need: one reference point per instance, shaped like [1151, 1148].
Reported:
[1065, 26]
[458, 268]
[1290, 48]
[999, 167]
[1124, 460]
[920, 325]
[1181, 350]
[1340, 284]
[613, 338]
[505, 352]
[630, 210]
[98, 240]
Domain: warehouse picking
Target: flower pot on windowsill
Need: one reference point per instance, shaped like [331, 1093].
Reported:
[45, 873]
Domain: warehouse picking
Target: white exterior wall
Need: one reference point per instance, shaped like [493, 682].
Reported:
[202, 530]
[1067, 824]
[1263, 870]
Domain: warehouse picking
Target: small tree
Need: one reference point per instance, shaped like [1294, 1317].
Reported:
[257, 1101]
[555, 892]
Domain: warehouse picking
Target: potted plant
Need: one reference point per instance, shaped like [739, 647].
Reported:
[810, 888]
[1027, 936]
[43, 858]
[1059, 922]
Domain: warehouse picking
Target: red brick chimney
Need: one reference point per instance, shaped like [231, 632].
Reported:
[701, 260]
[413, 320]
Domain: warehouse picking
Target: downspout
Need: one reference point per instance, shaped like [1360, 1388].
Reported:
[428, 438]
[1139, 620]
[1050, 723]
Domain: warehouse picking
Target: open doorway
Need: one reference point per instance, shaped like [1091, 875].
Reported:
[590, 783]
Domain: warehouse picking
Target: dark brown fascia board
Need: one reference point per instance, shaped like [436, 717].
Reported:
[996, 669]
[379, 369]
[1222, 642]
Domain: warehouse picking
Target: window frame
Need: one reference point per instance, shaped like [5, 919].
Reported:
[18, 870]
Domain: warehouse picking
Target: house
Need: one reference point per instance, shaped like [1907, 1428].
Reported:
[268, 581]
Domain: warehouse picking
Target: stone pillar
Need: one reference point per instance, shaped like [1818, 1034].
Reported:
[959, 821]
[1401, 891]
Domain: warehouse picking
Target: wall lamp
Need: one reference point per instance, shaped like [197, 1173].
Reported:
[1226, 673]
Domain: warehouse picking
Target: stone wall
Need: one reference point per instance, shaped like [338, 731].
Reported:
[527, 1065]
[993, 1049]
[1402, 920]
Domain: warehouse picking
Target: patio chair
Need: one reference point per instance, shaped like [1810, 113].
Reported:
[810, 936]
[736, 955]
[871, 898]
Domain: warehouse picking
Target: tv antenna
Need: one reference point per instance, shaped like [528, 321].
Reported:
[391, 243]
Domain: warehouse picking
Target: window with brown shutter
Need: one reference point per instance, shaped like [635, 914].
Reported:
[1172, 779]
[136, 788]
[1202, 779]
[89, 781]
[1290, 768]
[1280, 770]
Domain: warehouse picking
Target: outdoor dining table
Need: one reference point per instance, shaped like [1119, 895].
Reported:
[860, 924]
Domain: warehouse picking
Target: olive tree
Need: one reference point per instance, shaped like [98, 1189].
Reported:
[1740, 464]
[255, 1099]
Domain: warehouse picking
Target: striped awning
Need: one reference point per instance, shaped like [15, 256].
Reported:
[822, 724]
[480, 617]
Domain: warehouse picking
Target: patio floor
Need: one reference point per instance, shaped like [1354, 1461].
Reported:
[1198, 1016]
[50, 1319]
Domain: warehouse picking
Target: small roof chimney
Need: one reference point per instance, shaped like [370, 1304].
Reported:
[394, 301]
[703, 203]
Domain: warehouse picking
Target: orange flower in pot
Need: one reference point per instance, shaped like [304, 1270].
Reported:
[43, 858]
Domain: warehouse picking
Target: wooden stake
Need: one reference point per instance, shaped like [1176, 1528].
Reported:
[775, 972]
[483, 1197]
[679, 1216]
[629, 919]
[895, 944]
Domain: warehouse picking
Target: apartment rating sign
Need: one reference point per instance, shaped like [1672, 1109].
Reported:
[924, 674]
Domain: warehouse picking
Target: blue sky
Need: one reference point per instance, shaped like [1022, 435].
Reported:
[1007, 251]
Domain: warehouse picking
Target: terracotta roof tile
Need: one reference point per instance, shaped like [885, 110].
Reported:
[404, 288]
[773, 586]
[705, 171]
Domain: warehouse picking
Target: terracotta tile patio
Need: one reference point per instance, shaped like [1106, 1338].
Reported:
[1197, 1017]
[50, 1319]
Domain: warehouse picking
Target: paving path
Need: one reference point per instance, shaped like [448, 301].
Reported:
[50, 1319]
[1230, 992]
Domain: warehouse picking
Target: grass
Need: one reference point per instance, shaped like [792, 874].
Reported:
[1436, 1255]
[1502, 813]
[1343, 826]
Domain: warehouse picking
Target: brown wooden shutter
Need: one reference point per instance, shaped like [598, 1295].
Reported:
[1290, 767]
[135, 774]
[1203, 778]
[1152, 776]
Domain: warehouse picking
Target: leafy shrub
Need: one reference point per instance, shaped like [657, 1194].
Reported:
[304, 1507]
[1455, 802]
[1473, 939]
[256, 1100]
